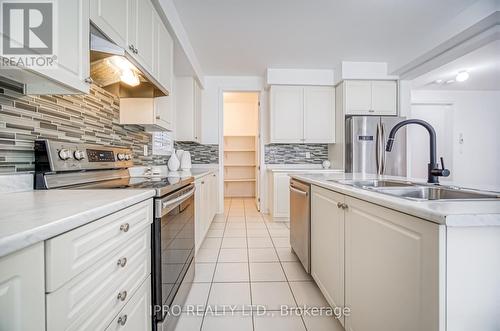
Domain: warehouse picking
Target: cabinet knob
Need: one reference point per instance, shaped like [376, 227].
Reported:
[122, 295]
[122, 262]
[339, 205]
[89, 80]
[131, 47]
[122, 320]
[124, 227]
[371, 111]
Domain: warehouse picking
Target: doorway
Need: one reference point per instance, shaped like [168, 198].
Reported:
[241, 145]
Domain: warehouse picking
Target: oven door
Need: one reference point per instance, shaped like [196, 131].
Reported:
[172, 248]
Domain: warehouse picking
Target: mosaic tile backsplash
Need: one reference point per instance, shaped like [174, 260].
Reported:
[295, 153]
[200, 154]
[91, 118]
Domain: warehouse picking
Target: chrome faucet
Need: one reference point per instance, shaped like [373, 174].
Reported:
[433, 170]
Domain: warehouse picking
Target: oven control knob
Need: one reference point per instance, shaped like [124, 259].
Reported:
[120, 156]
[79, 155]
[64, 154]
[127, 157]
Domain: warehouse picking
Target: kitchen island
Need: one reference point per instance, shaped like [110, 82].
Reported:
[402, 264]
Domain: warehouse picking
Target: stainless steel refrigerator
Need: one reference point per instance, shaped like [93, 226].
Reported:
[366, 137]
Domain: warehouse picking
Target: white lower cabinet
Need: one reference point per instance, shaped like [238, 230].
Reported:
[206, 200]
[22, 290]
[390, 263]
[279, 194]
[136, 314]
[327, 251]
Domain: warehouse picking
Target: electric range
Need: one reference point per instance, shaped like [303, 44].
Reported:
[65, 165]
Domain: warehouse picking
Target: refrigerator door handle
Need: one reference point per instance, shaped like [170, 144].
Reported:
[382, 143]
[378, 158]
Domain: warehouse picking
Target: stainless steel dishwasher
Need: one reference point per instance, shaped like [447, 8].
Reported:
[300, 221]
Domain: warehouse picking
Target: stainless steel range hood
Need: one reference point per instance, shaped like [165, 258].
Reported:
[112, 68]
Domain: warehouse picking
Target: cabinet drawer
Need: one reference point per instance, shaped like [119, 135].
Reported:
[69, 254]
[91, 300]
[136, 313]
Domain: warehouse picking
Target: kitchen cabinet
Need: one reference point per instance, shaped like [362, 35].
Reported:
[163, 65]
[22, 290]
[327, 248]
[71, 72]
[206, 201]
[109, 16]
[279, 193]
[364, 97]
[140, 32]
[390, 261]
[155, 114]
[136, 26]
[302, 114]
[188, 109]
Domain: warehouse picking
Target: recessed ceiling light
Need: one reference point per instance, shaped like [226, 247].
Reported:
[462, 76]
[450, 81]
[439, 81]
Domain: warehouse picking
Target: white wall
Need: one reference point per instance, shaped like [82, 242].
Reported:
[241, 114]
[476, 117]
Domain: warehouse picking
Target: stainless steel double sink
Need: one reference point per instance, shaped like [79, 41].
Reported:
[419, 191]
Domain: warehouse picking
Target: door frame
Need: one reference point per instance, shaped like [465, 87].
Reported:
[221, 142]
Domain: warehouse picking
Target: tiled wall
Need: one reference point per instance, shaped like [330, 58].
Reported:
[200, 154]
[295, 153]
[91, 118]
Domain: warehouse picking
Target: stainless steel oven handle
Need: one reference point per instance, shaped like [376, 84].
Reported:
[298, 191]
[177, 200]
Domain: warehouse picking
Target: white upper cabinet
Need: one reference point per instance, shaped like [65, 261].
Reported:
[302, 114]
[71, 47]
[137, 27]
[319, 114]
[364, 97]
[140, 32]
[287, 114]
[384, 97]
[109, 15]
[188, 109]
[163, 44]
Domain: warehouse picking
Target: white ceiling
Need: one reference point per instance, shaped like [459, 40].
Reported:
[244, 37]
[482, 64]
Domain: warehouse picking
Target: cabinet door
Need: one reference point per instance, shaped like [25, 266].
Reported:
[281, 197]
[163, 55]
[384, 97]
[163, 112]
[197, 111]
[140, 32]
[358, 94]
[287, 114]
[391, 270]
[319, 114]
[108, 16]
[327, 245]
[22, 290]
[198, 233]
[73, 54]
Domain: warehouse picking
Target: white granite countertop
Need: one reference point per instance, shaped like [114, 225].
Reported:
[450, 213]
[30, 217]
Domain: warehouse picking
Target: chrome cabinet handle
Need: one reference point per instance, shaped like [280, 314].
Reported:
[341, 205]
[122, 262]
[124, 227]
[122, 320]
[122, 295]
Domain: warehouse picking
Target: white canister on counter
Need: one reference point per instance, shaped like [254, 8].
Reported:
[173, 162]
[179, 153]
[186, 161]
